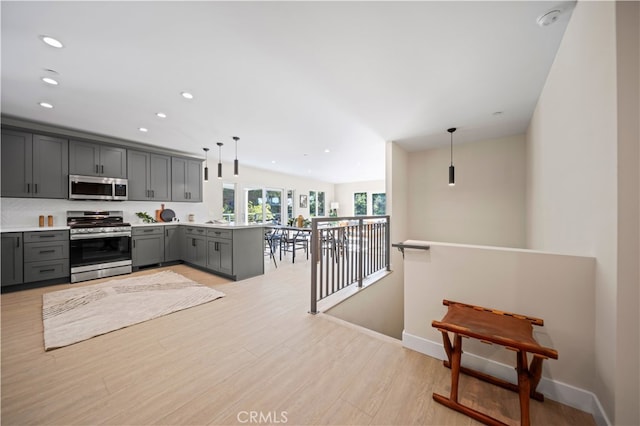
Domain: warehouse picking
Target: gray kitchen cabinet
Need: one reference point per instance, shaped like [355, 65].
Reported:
[12, 253]
[237, 253]
[147, 245]
[220, 254]
[149, 176]
[186, 179]
[173, 242]
[46, 255]
[91, 159]
[34, 166]
[195, 246]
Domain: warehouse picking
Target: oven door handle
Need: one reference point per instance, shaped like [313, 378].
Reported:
[97, 236]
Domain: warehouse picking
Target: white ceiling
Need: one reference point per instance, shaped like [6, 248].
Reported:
[291, 79]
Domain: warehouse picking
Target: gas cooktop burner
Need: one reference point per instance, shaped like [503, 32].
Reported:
[73, 225]
[96, 219]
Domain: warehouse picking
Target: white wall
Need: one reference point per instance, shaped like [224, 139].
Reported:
[25, 211]
[487, 204]
[627, 379]
[573, 197]
[556, 288]
[344, 195]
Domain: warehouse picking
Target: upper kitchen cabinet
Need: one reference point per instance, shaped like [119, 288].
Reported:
[186, 179]
[149, 176]
[34, 165]
[90, 159]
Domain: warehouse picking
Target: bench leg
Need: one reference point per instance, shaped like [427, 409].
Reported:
[524, 388]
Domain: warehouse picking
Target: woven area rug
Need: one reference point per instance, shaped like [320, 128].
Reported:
[77, 314]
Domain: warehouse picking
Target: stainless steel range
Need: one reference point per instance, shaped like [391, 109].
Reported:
[100, 244]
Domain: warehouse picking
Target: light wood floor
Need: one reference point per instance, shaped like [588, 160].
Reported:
[256, 350]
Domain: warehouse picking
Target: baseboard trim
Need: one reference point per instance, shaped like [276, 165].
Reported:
[552, 389]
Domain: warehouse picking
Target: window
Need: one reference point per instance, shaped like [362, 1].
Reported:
[254, 206]
[321, 204]
[290, 196]
[264, 205]
[316, 203]
[229, 202]
[312, 203]
[360, 204]
[379, 204]
[273, 204]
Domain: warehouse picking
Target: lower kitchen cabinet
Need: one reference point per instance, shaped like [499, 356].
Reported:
[173, 243]
[220, 255]
[195, 246]
[147, 245]
[235, 253]
[46, 255]
[12, 247]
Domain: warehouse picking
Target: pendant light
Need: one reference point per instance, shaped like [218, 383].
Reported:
[220, 160]
[235, 162]
[206, 163]
[452, 171]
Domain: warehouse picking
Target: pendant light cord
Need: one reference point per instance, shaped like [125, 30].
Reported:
[451, 130]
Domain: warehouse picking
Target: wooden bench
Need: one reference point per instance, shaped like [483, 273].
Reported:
[513, 331]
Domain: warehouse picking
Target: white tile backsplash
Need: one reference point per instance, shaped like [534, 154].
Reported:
[25, 211]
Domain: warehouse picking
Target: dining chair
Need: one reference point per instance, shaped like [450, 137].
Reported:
[293, 240]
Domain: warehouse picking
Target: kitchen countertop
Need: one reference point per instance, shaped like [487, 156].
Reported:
[33, 228]
[203, 225]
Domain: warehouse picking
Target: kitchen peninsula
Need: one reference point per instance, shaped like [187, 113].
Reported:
[235, 251]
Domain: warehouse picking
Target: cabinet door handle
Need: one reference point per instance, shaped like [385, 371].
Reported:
[97, 169]
[47, 236]
[47, 270]
[193, 242]
[147, 230]
[166, 232]
[153, 193]
[102, 169]
[17, 242]
[46, 251]
[35, 188]
[134, 243]
[28, 188]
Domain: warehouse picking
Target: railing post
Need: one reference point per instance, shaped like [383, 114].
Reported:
[314, 266]
[387, 253]
[360, 251]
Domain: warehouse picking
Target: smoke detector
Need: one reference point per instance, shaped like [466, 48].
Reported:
[549, 17]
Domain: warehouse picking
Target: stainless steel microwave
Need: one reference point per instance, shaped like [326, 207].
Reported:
[97, 188]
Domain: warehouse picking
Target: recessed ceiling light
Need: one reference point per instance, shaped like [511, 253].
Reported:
[45, 105]
[50, 81]
[273, 161]
[143, 129]
[327, 150]
[187, 95]
[161, 114]
[52, 42]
